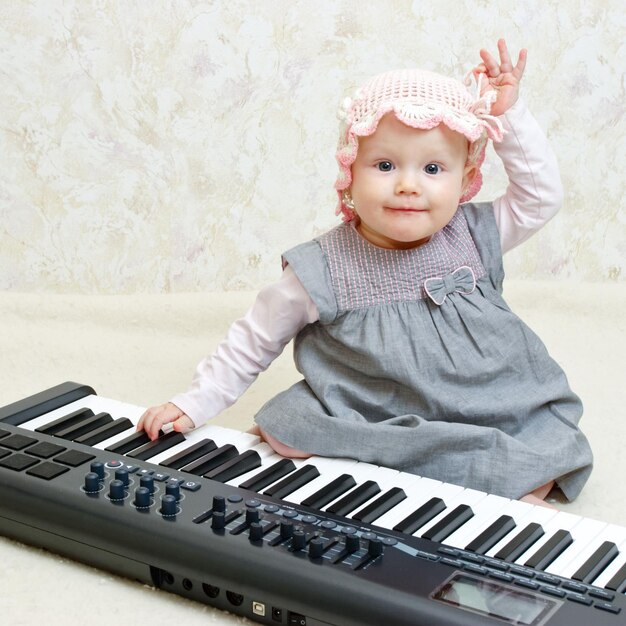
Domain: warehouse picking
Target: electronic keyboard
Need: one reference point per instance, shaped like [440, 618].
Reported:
[216, 516]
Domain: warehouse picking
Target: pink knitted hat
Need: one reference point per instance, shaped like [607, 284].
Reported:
[419, 99]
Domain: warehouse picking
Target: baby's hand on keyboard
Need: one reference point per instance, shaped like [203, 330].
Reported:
[156, 417]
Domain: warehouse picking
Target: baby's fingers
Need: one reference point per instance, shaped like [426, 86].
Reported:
[155, 417]
[183, 424]
[490, 63]
[518, 70]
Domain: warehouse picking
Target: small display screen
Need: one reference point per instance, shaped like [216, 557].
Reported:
[506, 603]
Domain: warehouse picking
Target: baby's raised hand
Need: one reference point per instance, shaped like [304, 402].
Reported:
[502, 76]
[155, 417]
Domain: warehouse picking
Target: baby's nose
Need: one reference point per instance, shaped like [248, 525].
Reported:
[408, 184]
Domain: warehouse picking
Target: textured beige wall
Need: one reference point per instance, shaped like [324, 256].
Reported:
[169, 146]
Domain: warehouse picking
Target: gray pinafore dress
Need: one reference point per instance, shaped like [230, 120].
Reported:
[418, 364]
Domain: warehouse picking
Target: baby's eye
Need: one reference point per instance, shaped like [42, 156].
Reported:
[385, 166]
[432, 168]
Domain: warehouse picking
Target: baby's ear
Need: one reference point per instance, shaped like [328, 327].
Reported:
[469, 174]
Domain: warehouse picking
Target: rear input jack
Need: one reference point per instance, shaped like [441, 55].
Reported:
[187, 584]
[277, 614]
[210, 590]
[236, 599]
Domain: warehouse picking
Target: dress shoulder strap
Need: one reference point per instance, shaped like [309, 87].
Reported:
[482, 225]
[309, 264]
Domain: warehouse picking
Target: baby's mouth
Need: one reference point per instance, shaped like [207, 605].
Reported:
[407, 209]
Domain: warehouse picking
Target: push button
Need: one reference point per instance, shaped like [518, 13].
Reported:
[190, 485]
[579, 597]
[74, 458]
[18, 462]
[603, 594]
[47, 470]
[18, 442]
[45, 450]
[607, 606]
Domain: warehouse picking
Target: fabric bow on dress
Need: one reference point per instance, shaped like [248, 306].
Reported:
[462, 280]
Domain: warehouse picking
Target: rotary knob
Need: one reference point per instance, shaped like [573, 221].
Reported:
[168, 505]
[92, 482]
[147, 482]
[122, 474]
[142, 497]
[116, 490]
[173, 489]
[97, 467]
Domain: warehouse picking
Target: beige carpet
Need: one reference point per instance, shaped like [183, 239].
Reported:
[143, 349]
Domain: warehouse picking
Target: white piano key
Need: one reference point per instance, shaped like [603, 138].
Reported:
[422, 491]
[485, 512]
[384, 477]
[582, 534]
[222, 436]
[105, 443]
[242, 441]
[402, 480]
[523, 514]
[329, 469]
[95, 403]
[266, 461]
[614, 566]
[588, 537]
[362, 472]
[560, 521]
[98, 405]
[470, 497]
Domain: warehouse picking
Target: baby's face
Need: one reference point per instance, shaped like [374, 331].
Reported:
[406, 182]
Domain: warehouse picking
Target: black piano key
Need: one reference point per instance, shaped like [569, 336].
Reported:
[550, 550]
[104, 432]
[520, 543]
[152, 448]
[355, 498]
[190, 454]
[269, 475]
[51, 428]
[138, 438]
[294, 481]
[213, 459]
[242, 464]
[450, 523]
[421, 516]
[596, 563]
[491, 535]
[618, 582]
[330, 492]
[380, 506]
[84, 426]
